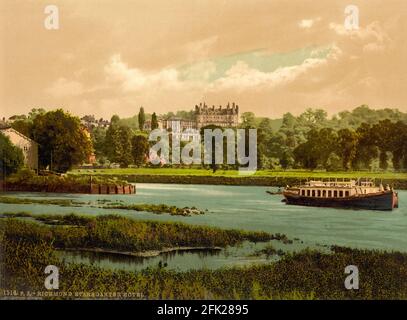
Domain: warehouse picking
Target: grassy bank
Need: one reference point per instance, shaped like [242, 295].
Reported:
[303, 275]
[232, 177]
[235, 173]
[26, 180]
[112, 232]
[158, 209]
[108, 204]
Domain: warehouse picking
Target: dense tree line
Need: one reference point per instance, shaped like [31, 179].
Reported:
[355, 149]
[120, 143]
[62, 142]
[359, 139]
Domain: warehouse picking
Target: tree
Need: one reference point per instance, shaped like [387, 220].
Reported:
[141, 118]
[118, 145]
[366, 149]
[346, 146]
[313, 117]
[140, 149]
[63, 142]
[248, 120]
[317, 150]
[98, 136]
[23, 126]
[382, 133]
[115, 120]
[35, 112]
[264, 136]
[11, 157]
[154, 121]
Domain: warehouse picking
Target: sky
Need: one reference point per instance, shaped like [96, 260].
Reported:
[270, 57]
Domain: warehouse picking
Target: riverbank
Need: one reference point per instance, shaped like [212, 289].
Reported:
[232, 177]
[121, 234]
[302, 275]
[28, 181]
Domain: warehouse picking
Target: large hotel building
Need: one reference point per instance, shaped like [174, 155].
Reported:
[225, 117]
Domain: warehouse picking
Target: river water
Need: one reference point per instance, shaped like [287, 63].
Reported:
[239, 207]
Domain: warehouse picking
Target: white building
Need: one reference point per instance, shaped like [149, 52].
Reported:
[27, 145]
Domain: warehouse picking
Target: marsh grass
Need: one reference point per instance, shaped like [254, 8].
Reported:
[59, 202]
[108, 204]
[114, 232]
[158, 209]
[303, 275]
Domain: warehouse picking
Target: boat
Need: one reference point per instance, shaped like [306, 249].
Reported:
[356, 194]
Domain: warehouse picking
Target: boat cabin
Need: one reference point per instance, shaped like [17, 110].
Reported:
[337, 189]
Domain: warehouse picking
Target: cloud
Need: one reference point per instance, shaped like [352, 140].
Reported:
[63, 87]
[134, 79]
[200, 49]
[373, 37]
[241, 76]
[306, 23]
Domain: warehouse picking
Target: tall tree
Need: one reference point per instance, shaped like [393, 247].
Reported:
[366, 149]
[346, 146]
[140, 149]
[62, 140]
[118, 145]
[114, 120]
[141, 118]
[154, 121]
[98, 136]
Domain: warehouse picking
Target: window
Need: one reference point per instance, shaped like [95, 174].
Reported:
[324, 193]
[329, 193]
[335, 193]
[313, 193]
[319, 193]
[346, 193]
[341, 194]
[308, 193]
[303, 192]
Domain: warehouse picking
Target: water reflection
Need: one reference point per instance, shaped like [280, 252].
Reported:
[243, 254]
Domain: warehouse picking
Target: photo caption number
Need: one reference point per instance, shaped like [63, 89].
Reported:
[212, 309]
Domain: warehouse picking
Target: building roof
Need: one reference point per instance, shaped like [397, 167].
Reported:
[17, 132]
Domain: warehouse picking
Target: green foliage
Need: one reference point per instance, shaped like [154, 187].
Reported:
[11, 157]
[356, 149]
[118, 144]
[141, 118]
[346, 146]
[28, 180]
[140, 149]
[248, 120]
[98, 136]
[187, 115]
[154, 121]
[112, 232]
[62, 141]
[303, 275]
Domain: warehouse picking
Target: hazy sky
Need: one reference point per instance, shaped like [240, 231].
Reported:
[270, 57]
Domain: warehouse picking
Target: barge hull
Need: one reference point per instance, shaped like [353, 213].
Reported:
[380, 201]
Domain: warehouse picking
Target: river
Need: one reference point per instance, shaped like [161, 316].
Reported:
[243, 207]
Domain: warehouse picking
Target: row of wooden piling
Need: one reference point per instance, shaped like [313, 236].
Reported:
[110, 189]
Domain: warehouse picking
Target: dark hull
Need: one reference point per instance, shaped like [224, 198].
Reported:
[378, 201]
